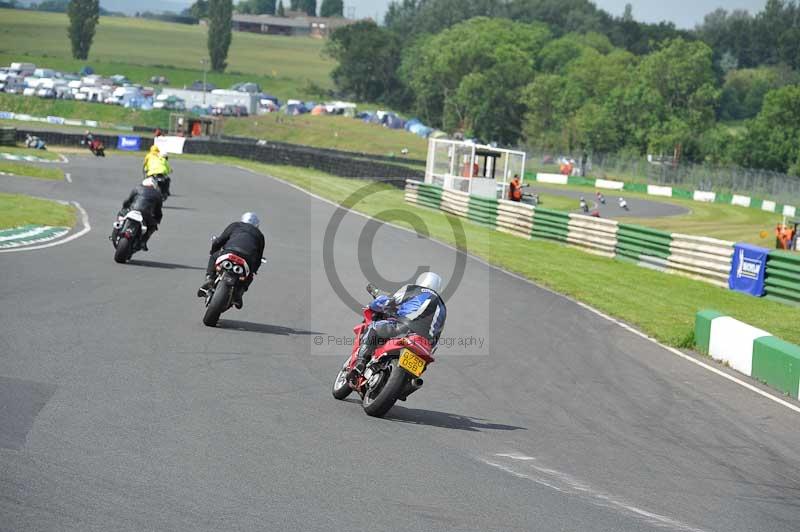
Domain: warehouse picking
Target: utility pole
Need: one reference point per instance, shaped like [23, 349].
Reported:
[205, 68]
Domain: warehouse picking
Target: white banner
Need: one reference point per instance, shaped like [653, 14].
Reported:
[768, 206]
[605, 183]
[654, 190]
[556, 179]
[744, 201]
[788, 210]
[170, 144]
[707, 197]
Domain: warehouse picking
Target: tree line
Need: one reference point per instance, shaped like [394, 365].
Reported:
[565, 75]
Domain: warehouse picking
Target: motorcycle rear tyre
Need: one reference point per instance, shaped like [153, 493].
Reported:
[218, 304]
[388, 395]
[123, 251]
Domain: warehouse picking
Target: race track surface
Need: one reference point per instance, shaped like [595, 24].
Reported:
[120, 411]
[637, 207]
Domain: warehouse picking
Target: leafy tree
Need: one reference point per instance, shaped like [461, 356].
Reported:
[446, 72]
[309, 6]
[219, 32]
[256, 7]
[331, 8]
[772, 139]
[368, 61]
[744, 89]
[83, 18]
[295, 5]
[281, 11]
[199, 9]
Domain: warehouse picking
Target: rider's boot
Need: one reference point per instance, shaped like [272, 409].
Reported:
[205, 287]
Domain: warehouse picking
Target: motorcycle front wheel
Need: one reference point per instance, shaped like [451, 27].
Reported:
[341, 388]
[381, 398]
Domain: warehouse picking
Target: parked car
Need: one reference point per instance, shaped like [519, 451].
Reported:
[45, 92]
[159, 80]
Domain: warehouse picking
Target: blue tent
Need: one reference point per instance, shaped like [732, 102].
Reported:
[421, 130]
[392, 121]
[412, 122]
[87, 71]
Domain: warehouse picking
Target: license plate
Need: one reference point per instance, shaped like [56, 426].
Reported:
[411, 363]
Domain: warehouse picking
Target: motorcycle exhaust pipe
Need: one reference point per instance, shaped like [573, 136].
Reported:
[411, 387]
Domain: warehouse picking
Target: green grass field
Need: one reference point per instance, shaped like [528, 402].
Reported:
[337, 132]
[662, 305]
[17, 210]
[30, 170]
[140, 48]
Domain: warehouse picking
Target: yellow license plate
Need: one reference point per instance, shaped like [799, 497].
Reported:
[411, 363]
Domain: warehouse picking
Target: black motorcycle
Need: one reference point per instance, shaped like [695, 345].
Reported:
[127, 235]
[232, 271]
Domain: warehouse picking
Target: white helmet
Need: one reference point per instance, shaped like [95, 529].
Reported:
[430, 280]
[149, 182]
[250, 218]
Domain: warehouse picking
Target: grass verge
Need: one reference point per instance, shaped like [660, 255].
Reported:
[17, 210]
[29, 170]
[716, 220]
[337, 132]
[661, 305]
[41, 154]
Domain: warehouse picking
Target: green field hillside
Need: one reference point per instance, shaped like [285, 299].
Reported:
[140, 48]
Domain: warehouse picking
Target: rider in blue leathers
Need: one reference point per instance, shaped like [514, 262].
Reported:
[415, 307]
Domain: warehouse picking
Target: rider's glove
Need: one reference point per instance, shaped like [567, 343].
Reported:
[380, 303]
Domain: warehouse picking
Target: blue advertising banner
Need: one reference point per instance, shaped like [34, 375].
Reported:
[747, 269]
[129, 143]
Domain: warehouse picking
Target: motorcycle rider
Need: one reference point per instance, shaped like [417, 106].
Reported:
[146, 199]
[246, 240]
[415, 307]
[156, 166]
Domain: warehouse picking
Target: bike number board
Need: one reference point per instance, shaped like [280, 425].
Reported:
[411, 363]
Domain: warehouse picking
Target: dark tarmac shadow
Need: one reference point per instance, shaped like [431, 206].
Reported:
[177, 208]
[164, 265]
[444, 420]
[264, 328]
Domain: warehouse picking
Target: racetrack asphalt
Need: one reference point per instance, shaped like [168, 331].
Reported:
[121, 411]
[637, 207]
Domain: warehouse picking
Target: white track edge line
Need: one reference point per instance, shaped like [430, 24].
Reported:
[68, 177]
[615, 321]
[86, 229]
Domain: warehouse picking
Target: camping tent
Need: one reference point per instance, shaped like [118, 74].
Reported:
[392, 121]
[319, 110]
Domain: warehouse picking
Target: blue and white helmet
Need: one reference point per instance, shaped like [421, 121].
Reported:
[250, 218]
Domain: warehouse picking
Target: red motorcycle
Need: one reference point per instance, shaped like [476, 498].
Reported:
[394, 371]
[97, 148]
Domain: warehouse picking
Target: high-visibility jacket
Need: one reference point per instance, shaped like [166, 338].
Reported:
[155, 165]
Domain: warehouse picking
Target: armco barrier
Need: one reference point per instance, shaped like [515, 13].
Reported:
[749, 350]
[482, 210]
[552, 225]
[515, 218]
[644, 246]
[283, 154]
[783, 277]
[702, 258]
[595, 235]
